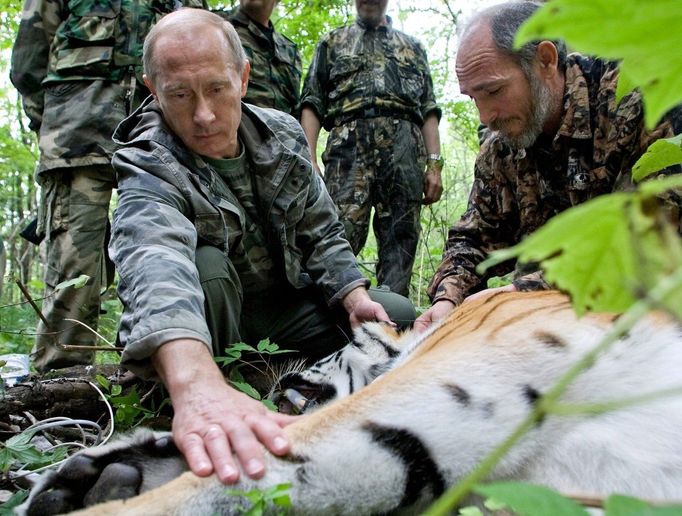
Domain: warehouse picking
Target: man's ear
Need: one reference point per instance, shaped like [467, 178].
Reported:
[547, 57]
[150, 86]
[245, 77]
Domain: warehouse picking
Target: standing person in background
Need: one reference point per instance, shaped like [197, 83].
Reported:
[275, 79]
[369, 85]
[78, 69]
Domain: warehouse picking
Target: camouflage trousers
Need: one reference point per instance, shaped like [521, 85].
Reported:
[73, 217]
[379, 163]
[305, 323]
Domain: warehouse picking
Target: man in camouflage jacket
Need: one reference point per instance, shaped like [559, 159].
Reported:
[369, 85]
[555, 137]
[223, 233]
[76, 66]
[275, 78]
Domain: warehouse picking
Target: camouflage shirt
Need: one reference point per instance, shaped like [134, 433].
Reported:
[171, 200]
[359, 71]
[517, 191]
[275, 77]
[77, 66]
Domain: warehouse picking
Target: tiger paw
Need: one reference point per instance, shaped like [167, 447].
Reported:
[120, 470]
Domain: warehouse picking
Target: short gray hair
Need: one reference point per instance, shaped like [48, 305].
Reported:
[504, 21]
[191, 19]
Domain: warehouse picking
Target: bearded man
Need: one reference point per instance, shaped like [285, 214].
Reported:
[555, 137]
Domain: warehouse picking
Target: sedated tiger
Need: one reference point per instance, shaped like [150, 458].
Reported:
[439, 403]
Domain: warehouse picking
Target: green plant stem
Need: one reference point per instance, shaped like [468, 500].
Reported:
[456, 493]
[577, 409]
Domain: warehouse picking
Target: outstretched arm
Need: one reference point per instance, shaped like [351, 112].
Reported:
[212, 420]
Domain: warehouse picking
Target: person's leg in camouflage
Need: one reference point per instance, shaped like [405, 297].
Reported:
[73, 217]
[349, 180]
[397, 203]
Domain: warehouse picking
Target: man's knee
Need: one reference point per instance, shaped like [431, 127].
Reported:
[399, 308]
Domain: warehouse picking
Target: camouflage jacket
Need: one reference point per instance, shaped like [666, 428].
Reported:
[61, 48]
[361, 72]
[275, 78]
[169, 203]
[515, 192]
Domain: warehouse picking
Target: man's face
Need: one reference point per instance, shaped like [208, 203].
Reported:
[258, 6]
[514, 104]
[199, 91]
[371, 11]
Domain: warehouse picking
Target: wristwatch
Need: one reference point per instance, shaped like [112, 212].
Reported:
[436, 159]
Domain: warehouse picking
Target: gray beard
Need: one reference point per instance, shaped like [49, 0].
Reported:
[540, 107]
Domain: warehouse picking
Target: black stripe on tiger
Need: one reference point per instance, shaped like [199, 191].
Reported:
[421, 469]
[390, 351]
[459, 393]
[550, 339]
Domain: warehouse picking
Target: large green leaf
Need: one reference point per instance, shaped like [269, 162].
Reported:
[581, 251]
[644, 34]
[531, 500]
[607, 251]
[660, 154]
[617, 505]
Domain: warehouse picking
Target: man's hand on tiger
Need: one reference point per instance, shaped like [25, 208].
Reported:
[214, 424]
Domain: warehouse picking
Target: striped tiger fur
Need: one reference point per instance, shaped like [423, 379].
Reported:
[396, 444]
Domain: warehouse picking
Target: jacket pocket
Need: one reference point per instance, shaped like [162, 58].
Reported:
[345, 74]
[411, 82]
[211, 229]
[84, 42]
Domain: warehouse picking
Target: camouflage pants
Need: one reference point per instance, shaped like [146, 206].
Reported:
[304, 323]
[73, 217]
[379, 163]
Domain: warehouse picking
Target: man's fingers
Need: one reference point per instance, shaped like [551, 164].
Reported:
[218, 449]
[270, 433]
[282, 419]
[245, 445]
[192, 447]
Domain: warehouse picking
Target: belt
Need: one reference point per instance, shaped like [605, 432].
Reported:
[376, 112]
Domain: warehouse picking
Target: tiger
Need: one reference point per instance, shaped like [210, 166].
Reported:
[447, 399]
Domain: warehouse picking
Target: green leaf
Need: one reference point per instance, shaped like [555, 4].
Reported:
[78, 282]
[591, 265]
[269, 405]
[7, 508]
[660, 154]
[103, 382]
[531, 500]
[265, 345]
[618, 505]
[246, 389]
[644, 35]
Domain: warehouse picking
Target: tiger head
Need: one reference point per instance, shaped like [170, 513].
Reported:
[375, 349]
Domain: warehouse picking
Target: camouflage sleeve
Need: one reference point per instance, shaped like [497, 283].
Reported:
[490, 222]
[630, 141]
[428, 100]
[30, 55]
[525, 281]
[315, 83]
[153, 244]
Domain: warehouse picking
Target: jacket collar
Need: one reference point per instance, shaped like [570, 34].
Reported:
[576, 119]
